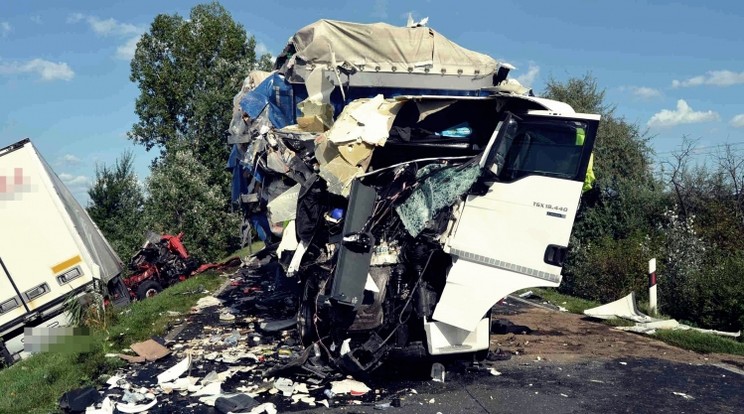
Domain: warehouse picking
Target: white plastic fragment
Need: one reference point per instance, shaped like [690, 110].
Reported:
[285, 385]
[349, 386]
[175, 371]
[107, 407]
[207, 302]
[213, 388]
[494, 372]
[683, 395]
[136, 408]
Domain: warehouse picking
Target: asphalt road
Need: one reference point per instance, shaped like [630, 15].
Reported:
[526, 384]
[633, 386]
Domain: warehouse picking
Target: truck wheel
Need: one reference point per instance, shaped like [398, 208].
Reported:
[148, 289]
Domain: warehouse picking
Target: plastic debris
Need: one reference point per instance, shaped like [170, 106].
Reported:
[207, 302]
[107, 407]
[130, 408]
[349, 386]
[79, 399]
[236, 403]
[285, 386]
[437, 372]
[175, 371]
[683, 395]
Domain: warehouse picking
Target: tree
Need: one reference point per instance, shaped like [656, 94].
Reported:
[181, 200]
[116, 205]
[620, 211]
[188, 71]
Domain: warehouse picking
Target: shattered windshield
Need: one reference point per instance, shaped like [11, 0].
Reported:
[541, 146]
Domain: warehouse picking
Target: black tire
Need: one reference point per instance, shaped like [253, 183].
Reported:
[148, 289]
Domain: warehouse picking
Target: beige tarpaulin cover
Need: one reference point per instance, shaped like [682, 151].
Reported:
[368, 46]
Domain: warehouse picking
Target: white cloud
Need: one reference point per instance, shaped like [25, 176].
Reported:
[261, 48]
[379, 9]
[682, 115]
[737, 121]
[527, 79]
[36, 19]
[644, 92]
[126, 51]
[47, 71]
[68, 160]
[5, 28]
[713, 78]
[74, 182]
[113, 28]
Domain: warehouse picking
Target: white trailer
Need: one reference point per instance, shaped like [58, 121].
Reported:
[50, 249]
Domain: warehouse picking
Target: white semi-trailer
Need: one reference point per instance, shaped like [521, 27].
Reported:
[50, 249]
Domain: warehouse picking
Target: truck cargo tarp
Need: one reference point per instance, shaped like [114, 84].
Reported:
[386, 48]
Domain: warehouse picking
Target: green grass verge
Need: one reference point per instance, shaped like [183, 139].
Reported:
[689, 340]
[572, 303]
[700, 342]
[36, 384]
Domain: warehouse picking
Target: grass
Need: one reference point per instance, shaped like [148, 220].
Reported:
[701, 342]
[685, 339]
[35, 385]
[572, 303]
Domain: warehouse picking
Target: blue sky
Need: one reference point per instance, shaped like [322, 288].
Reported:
[674, 67]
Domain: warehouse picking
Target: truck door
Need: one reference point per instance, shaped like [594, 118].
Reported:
[514, 234]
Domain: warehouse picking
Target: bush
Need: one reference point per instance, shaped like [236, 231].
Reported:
[607, 269]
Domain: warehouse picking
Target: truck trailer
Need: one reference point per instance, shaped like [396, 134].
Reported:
[50, 249]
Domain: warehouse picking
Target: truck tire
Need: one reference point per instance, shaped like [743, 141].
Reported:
[148, 289]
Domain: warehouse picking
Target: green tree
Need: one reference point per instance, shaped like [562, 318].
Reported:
[266, 62]
[624, 204]
[181, 200]
[188, 71]
[116, 205]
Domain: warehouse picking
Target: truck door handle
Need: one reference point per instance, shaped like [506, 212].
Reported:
[555, 255]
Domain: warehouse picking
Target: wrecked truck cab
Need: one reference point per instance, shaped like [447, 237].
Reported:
[430, 244]
[412, 183]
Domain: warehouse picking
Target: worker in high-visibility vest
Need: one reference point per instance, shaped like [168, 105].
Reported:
[590, 177]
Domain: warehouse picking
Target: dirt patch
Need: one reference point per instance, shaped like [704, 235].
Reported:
[565, 337]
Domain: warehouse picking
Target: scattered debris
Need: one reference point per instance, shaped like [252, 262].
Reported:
[626, 308]
[175, 371]
[349, 386]
[79, 399]
[437, 372]
[150, 350]
[683, 395]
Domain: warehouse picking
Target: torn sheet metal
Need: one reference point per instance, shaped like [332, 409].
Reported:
[439, 187]
[367, 120]
[284, 206]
